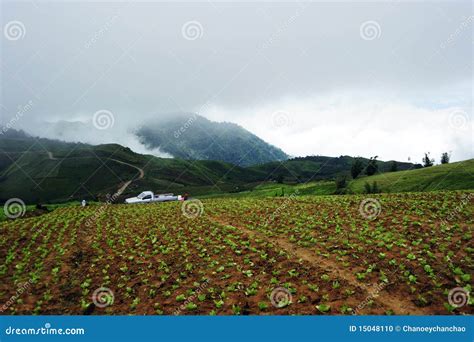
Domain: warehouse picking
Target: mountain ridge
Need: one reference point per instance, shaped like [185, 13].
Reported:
[194, 137]
[44, 170]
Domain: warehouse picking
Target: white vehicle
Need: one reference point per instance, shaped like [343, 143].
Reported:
[149, 196]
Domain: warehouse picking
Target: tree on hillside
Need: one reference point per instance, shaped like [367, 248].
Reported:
[374, 189]
[393, 166]
[372, 167]
[341, 184]
[445, 158]
[427, 162]
[356, 167]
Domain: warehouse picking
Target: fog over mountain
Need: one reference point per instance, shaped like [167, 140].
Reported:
[191, 136]
[343, 78]
[84, 130]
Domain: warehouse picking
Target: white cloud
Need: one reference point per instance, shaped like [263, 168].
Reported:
[358, 124]
[314, 65]
[83, 130]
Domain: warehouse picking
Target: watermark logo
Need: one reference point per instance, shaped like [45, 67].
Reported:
[281, 29]
[280, 297]
[281, 119]
[103, 119]
[19, 114]
[370, 30]
[183, 128]
[192, 298]
[459, 30]
[458, 297]
[14, 30]
[14, 208]
[192, 30]
[101, 32]
[459, 119]
[103, 297]
[465, 198]
[47, 329]
[20, 290]
[192, 208]
[110, 199]
[373, 293]
[283, 206]
[370, 208]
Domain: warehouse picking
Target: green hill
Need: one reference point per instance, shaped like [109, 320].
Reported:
[454, 176]
[50, 171]
[305, 169]
[42, 170]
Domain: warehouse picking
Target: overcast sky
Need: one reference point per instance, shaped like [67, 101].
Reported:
[356, 78]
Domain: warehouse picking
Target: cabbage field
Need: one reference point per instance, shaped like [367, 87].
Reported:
[407, 254]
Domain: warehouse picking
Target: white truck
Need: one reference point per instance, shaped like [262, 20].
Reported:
[149, 196]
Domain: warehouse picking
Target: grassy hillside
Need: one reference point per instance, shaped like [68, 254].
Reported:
[272, 189]
[47, 171]
[311, 168]
[53, 171]
[454, 176]
[35, 177]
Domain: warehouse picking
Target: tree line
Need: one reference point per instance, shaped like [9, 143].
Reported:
[372, 167]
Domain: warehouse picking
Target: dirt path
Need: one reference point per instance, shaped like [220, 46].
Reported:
[399, 305]
[127, 183]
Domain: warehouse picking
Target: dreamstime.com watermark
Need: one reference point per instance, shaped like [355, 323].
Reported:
[373, 293]
[103, 297]
[192, 30]
[110, 199]
[283, 206]
[281, 119]
[184, 127]
[103, 119]
[458, 297]
[370, 30]
[192, 208]
[370, 208]
[465, 199]
[459, 120]
[14, 30]
[459, 30]
[97, 35]
[192, 298]
[281, 297]
[22, 110]
[46, 330]
[19, 291]
[282, 28]
[14, 208]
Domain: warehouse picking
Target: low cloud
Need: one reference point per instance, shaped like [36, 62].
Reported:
[82, 129]
[358, 78]
[355, 123]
